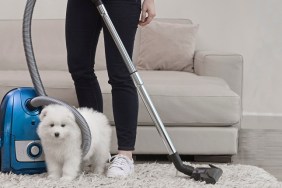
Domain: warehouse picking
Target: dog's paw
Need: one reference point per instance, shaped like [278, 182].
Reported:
[98, 170]
[53, 177]
[67, 178]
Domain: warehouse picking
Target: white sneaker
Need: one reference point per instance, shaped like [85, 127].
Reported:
[121, 166]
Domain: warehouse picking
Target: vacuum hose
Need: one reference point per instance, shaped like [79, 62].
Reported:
[43, 99]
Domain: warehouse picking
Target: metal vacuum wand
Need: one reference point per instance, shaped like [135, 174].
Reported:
[209, 175]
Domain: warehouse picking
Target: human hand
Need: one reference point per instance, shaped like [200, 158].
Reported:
[148, 12]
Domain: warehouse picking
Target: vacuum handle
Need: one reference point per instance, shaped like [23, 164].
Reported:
[97, 2]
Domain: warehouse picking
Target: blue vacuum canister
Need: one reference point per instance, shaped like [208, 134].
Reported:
[21, 150]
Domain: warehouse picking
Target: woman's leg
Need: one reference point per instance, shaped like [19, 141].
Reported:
[125, 17]
[83, 26]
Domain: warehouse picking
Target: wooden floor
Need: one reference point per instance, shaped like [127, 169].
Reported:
[262, 148]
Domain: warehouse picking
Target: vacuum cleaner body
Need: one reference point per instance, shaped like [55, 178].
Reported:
[21, 150]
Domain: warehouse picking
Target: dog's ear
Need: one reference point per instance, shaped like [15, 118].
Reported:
[71, 116]
[43, 114]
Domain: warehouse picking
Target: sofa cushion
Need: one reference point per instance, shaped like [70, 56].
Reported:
[181, 98]
[136, 49]
[167, 46]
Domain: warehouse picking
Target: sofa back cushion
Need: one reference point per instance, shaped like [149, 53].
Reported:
[48, 42]
[167, 46]
[11, 46]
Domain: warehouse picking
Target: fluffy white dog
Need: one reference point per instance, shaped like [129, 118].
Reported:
[61, 140]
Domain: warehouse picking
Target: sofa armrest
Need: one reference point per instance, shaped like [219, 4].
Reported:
[227, 66]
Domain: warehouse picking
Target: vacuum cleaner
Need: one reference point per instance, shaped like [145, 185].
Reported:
[209, 175]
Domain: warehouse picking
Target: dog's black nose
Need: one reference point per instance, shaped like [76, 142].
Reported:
[57, 134]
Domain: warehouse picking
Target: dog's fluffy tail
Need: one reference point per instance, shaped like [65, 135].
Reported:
[100, 129]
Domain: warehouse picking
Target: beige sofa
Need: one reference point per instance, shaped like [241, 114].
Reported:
[201, 110]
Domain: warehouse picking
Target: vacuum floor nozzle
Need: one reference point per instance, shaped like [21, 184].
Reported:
[209, 175]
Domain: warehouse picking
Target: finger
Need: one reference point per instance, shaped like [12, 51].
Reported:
[143, 15]
[150, 17]
[142, 23]
[148, 20]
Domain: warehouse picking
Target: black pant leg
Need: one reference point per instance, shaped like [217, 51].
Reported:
[83, 26]
[125, 16]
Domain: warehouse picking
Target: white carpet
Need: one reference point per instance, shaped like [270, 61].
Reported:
[151, 175]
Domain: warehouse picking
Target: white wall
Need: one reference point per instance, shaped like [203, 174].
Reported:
[252, 28]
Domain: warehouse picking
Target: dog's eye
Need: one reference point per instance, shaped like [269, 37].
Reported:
[63, 125]
[52, 125]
